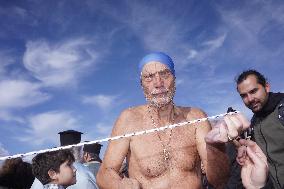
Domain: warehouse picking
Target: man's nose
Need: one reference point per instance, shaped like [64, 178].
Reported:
[158, 80]
[250, 98]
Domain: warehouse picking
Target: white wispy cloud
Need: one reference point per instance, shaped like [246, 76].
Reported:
[208, 48]
[251, 33]
[14, 10]
[5, 60]
[99, 131]
[151, 27]
[16, 15]
[192, 54]
[179, 81]
[20, 93]
[165, 31]
[44, 127]
[215, 43]
[62, 63]
[8, 116]
[104, 128]
[3, 151]
[102, 101]
[277, 13]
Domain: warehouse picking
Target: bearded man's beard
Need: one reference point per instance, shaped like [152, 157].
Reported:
[160, 97]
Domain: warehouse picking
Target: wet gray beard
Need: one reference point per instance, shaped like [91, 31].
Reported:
[155, 102]
[166, 99]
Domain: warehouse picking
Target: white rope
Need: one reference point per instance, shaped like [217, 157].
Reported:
[120, 136]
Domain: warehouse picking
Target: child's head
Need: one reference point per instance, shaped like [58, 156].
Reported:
[55, 167]
[15, 173]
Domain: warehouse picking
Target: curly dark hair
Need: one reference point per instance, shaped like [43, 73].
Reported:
[243, 76]
[44, 162]
[16, 174]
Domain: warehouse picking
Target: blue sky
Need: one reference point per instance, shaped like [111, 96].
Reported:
[68, 64]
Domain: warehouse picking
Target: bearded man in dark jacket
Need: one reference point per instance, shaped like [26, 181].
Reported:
[267, 121]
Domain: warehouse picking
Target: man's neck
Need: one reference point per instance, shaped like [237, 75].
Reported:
[164, 114]
[272, 101]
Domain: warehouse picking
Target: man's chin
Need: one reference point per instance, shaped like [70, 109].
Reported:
[255, 109]
[160, 104]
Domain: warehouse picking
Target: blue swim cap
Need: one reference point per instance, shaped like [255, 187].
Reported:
[158, 57]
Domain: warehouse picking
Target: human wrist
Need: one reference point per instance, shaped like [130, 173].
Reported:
[267, 185]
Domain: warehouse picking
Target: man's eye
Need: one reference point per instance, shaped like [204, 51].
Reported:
[243, 95]
[165, 73]
[150, 76]
[253, 91]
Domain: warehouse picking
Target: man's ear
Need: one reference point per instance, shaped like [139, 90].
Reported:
[267, 87]
[52, 174]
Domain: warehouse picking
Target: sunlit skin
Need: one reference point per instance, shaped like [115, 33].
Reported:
[147, 166]
[158, 84]
[254, 164]
[253, 94]
[66, 175]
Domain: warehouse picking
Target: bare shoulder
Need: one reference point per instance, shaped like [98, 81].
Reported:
[198, 113]
[132, 113]
[127, 119]
[192, 113]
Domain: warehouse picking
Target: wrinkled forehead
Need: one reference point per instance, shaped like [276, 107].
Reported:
[249, 80]
[157, 57]
[153, 67]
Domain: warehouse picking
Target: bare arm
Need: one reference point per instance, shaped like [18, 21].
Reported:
[213, 155]
[108, 176]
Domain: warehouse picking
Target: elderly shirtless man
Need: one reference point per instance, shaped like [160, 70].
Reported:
[169, 158]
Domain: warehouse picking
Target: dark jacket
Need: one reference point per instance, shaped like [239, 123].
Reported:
[268, 125]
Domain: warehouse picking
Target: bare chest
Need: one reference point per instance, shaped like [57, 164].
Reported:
[158, 153]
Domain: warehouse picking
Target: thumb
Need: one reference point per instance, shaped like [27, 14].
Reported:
[244, 120]
[254, 157]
